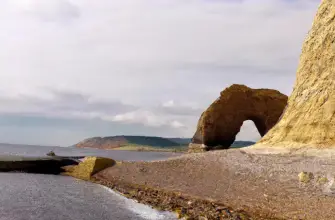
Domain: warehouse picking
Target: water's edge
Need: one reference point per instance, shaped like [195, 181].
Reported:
[26, 182]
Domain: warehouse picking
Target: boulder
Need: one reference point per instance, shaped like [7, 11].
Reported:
[305, 177]
[309, 119]
[222, 121]
[88, 167]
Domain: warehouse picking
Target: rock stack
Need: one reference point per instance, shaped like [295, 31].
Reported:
[222, 121]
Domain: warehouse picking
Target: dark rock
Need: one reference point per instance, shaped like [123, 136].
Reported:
[37, 165]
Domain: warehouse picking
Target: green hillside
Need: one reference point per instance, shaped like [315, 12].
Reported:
[145, 143]
[150, 141]
[181, 141]
[114, 142]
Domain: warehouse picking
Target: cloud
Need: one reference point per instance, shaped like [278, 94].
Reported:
[63, 104]
[144, 62]
[73, 105]
[141, 117]
[147, 118]
[51, 10]
[168, 104]
[177, 124]
[182, 109]
[65, 132]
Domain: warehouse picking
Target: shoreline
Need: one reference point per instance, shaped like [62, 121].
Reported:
[185, 206]
[229, 184]
[257, 186]
[151, 149]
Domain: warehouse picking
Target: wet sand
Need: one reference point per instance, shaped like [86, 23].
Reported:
[262, 186]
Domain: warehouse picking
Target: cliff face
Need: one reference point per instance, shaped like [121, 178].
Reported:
[309, 119]
[221, 122]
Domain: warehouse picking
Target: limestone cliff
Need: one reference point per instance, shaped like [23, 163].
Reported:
[309, 119]
[221, 122]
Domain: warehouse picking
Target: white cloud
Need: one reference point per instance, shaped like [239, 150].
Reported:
[177, 124]
[51, 10]
[147, 118]
[62, 104]
[141, 53]
[180, 108]
[71, 105]
[168, 104]
[139, 116]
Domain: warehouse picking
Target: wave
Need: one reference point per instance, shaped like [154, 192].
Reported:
[142, 210]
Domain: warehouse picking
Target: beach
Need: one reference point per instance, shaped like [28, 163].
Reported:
[259, 186]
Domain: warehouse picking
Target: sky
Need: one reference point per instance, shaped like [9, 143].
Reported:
[73, 69]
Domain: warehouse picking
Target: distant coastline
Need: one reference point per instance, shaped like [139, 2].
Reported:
[144, 143]
[28, 145]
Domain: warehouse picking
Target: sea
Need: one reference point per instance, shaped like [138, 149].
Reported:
[49, 197]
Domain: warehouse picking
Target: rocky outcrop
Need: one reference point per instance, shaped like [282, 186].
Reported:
[221, 122]
[40, 165]
[309, 119]
[88, 167]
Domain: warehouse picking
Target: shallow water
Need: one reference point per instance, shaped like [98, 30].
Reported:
[34, 196]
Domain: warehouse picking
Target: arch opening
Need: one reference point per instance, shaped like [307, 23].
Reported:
[242, 134]
[249, 134]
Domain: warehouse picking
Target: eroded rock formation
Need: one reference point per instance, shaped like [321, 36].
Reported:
[88, 167]
[309, 119]
[221, 122]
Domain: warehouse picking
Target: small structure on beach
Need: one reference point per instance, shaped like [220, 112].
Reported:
[51, 154]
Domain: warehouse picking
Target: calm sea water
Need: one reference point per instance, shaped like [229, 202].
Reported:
[39, 197]
[26, 150]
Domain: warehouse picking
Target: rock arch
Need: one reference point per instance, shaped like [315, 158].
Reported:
[222, 121]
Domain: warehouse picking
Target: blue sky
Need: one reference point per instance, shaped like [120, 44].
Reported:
[71, 69]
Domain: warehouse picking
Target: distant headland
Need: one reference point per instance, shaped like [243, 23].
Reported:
[144, 143]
